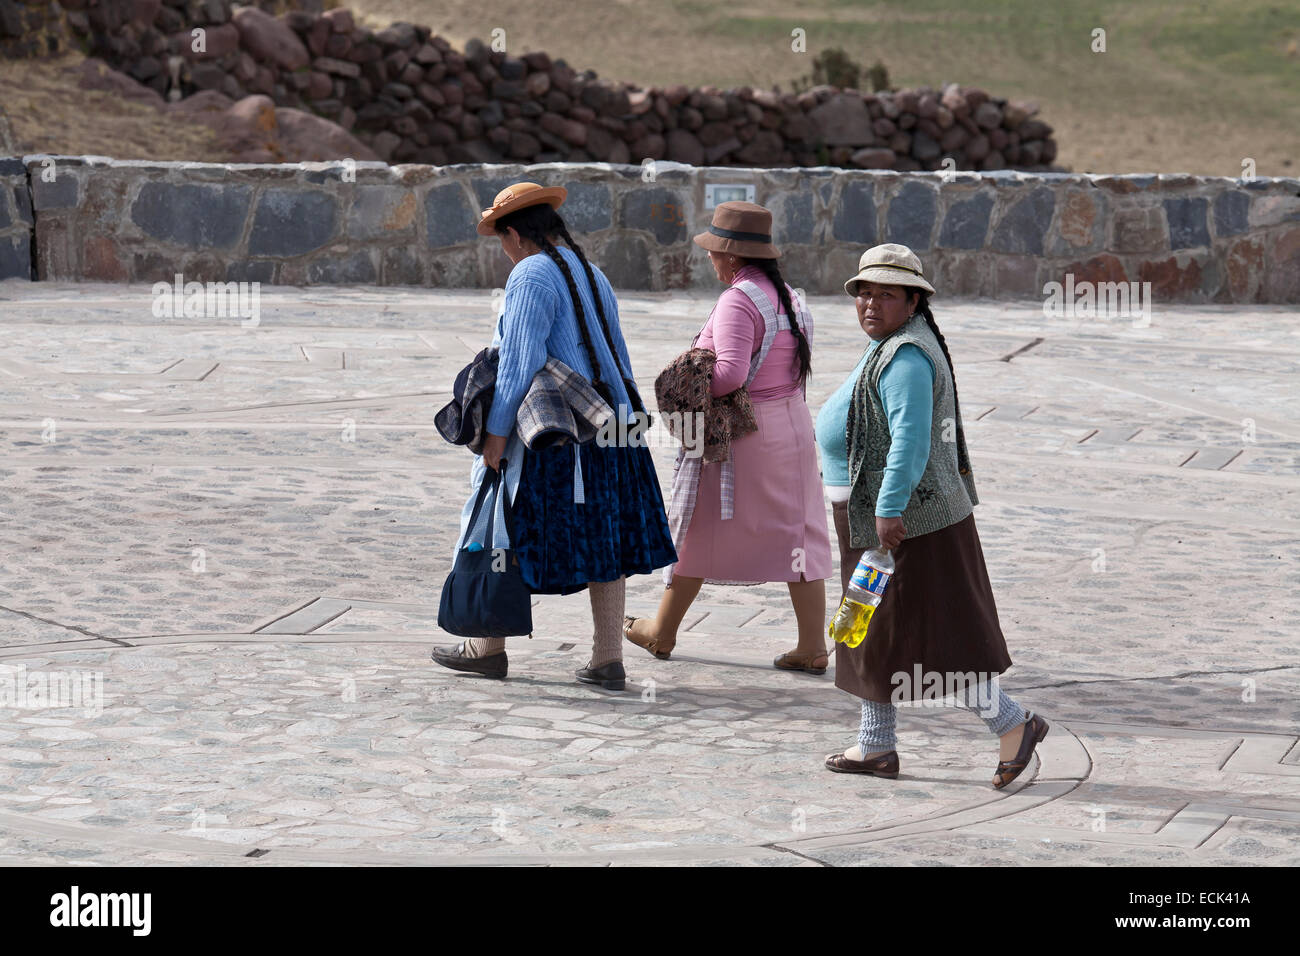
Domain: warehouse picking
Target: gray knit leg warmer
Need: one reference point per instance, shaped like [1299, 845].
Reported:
[483, 646]
[608, 601]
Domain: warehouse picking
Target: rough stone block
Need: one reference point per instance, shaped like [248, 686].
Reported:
[1275, 208]
[356, 268]
[1023, 226]
[1139, 230]
[57, 256]
[1171, 279]
[401, 266]
[16, 257]
[967, 222]
[1244, 269]
[1282, 267]
[381, 212]
[911, 215]
[487, 187]
[23, 203]
[251, 270]
[970, 273]
[1018, 276]
[1126, 182]
[194, 216]
[449, 220]
[291, 222]
[795, 223]
[623, 259]
[1079, 219]
[587, 208]
[660, 211]
[1098, 269]
[1231, 213]
[855, 213]
[101, 260]
[62, 193]
[1188, 228]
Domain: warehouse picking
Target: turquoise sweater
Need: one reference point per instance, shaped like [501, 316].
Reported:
[907, 392]
[538, 320]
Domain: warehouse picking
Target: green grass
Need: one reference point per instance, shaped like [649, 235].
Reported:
[1181, 58]
[1252, 41]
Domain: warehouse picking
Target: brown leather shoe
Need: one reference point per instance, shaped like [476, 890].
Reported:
[1035, 730]
[453, 656]
[885, 765]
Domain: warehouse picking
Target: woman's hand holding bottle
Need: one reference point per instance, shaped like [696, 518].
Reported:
[891, 532]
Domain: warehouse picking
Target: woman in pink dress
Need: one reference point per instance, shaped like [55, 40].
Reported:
[772, 525]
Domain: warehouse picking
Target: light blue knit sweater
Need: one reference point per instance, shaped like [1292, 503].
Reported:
[906, 388]
[538, 320]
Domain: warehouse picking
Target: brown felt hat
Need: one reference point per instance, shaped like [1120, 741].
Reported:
[519, 196]
[740, 229]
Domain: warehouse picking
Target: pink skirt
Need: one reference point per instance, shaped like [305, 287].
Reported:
[778, 530]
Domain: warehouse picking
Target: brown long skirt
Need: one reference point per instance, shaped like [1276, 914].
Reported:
[937, 622]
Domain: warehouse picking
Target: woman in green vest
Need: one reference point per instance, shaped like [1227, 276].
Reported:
[895, 465]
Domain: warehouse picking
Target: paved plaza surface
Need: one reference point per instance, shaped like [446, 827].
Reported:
[239, 535]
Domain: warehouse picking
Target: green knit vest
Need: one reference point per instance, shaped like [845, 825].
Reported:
[946, 492]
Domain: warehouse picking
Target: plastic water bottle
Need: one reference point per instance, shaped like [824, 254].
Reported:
[866, 588]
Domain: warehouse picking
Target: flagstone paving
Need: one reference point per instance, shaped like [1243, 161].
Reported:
[221, 550]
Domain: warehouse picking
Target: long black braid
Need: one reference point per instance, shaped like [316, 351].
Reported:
[923, 309]
[538, 224]
[586, 267]
[773, 272]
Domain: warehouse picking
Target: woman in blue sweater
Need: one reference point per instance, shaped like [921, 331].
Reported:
[587, 515]
[895, 463]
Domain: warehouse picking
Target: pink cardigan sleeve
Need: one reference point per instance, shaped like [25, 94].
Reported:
[737, 328]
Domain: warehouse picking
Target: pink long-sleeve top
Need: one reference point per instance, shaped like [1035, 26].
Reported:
[735, 332]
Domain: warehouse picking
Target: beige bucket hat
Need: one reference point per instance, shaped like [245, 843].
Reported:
[888, 264]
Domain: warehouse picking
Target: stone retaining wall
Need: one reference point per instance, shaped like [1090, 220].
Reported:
[1005, 234]
[15, 221]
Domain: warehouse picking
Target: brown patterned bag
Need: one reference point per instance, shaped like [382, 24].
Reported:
[683, 388]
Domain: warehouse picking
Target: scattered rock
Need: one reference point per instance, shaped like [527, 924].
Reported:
[409, 94]
[270, 40]
[95, 74]
[255, 130]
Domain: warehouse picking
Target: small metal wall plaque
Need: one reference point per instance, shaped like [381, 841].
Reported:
[715, 193]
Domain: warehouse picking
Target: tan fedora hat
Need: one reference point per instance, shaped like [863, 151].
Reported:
[889, 264]
[519, 196]
[740, 229]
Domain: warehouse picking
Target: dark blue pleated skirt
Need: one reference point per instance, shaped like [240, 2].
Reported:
[620, 529]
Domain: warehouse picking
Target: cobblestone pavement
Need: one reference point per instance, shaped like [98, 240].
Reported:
[222, 549]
